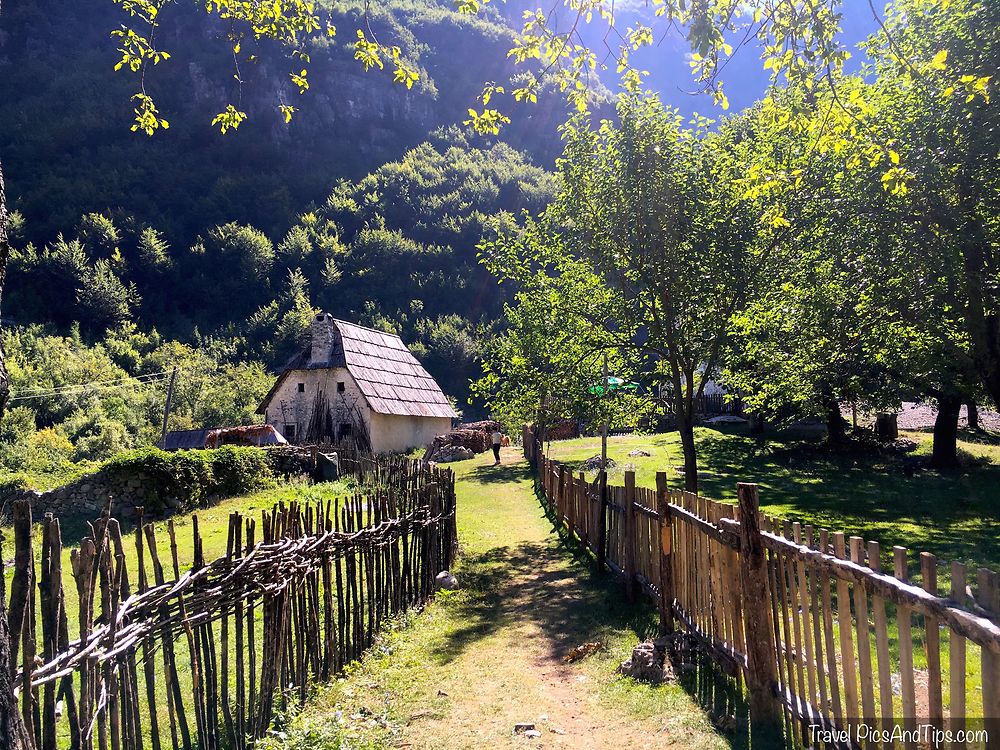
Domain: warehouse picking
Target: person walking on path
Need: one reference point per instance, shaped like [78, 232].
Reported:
[497, 440]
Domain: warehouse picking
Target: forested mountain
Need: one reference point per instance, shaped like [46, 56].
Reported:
[135, 254]
[395, 250]
[65, 114]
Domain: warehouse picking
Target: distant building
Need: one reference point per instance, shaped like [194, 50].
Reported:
[249, 435]
[358, 386]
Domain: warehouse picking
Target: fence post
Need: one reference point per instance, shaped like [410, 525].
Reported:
[560, 496]
[989, 599]
[602, 518]
[666, 555]
[566, 488]
[762, 678]
[628, 536]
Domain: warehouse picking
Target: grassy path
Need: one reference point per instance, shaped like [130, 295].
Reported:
[463, 672]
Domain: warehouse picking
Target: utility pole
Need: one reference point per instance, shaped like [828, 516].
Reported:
[605, 428]
[166, 406]
[602, 526]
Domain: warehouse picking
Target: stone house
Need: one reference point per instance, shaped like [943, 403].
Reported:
[356, 386]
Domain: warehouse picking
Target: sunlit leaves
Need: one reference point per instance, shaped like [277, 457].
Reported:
[147, 118]
[300, 80]
[229, 119]
[895, 179]
[293, 24]
[487, 122]
[367, 52]
[136, 50]
[939, 60]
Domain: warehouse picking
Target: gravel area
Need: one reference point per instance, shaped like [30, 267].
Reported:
[920, 416]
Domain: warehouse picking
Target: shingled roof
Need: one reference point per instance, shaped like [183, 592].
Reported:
[388, 375]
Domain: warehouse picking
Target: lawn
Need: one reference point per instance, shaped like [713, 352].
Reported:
[892, 500]
[889, 499]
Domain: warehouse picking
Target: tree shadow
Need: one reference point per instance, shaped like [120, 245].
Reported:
[892, 498]
[503, 474]
[983, 437]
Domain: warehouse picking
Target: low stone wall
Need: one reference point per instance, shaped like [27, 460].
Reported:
[164, 484]
[90, 494]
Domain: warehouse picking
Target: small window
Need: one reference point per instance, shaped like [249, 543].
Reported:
[289, 431]
[340, 386]
[302, 387]
[343, 430]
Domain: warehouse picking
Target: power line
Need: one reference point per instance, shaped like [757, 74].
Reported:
[93, 383]
[85, 389]
[96, 386]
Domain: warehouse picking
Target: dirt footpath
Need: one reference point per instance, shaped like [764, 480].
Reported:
[490, 655]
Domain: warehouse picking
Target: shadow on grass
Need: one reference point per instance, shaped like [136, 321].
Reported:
[503, 474]
[894, 499]
[984, 437]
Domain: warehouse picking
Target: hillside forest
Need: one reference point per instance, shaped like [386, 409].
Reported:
[794, 250]
[132, 255]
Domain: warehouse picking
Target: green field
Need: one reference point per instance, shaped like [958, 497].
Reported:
[887, 499]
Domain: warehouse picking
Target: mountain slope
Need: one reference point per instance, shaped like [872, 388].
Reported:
[65, 115]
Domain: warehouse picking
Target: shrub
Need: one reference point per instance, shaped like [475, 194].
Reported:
[240, 470]
[193, 476]
[12, 485]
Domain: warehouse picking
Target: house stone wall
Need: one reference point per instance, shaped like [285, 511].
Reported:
[395, 433]
[289, 406]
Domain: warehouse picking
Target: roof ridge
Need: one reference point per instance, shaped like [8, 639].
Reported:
[366, 328]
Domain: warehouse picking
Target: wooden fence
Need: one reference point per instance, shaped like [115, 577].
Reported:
[203, 657]
[772, 602]
[708, 404]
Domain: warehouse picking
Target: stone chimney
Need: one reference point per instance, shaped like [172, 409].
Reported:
[323, 332]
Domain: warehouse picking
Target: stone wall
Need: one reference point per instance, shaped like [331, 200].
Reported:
[88, 496]
[165, 484]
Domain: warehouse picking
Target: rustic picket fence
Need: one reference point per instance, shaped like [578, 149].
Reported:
[771, 601]
[203, 657]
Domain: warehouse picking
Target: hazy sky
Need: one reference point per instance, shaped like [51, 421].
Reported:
[745, 78]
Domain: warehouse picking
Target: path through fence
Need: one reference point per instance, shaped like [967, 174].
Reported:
[169, 657]
[772, 602]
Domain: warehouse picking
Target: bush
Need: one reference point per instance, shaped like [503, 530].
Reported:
[237, 471]
[12, 485]
[193, 476]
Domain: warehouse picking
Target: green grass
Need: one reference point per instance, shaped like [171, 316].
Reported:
[462, 672]
[952, 515]
[213, 525]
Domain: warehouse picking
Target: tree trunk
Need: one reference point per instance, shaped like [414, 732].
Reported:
[973, 413]
[945, 453]
[685, 424]
[886, 427]
[836, 432]
[12, 733]
[981, 318]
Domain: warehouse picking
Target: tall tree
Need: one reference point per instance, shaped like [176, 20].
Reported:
[652, 210]
[12, 732]
[890, 184]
